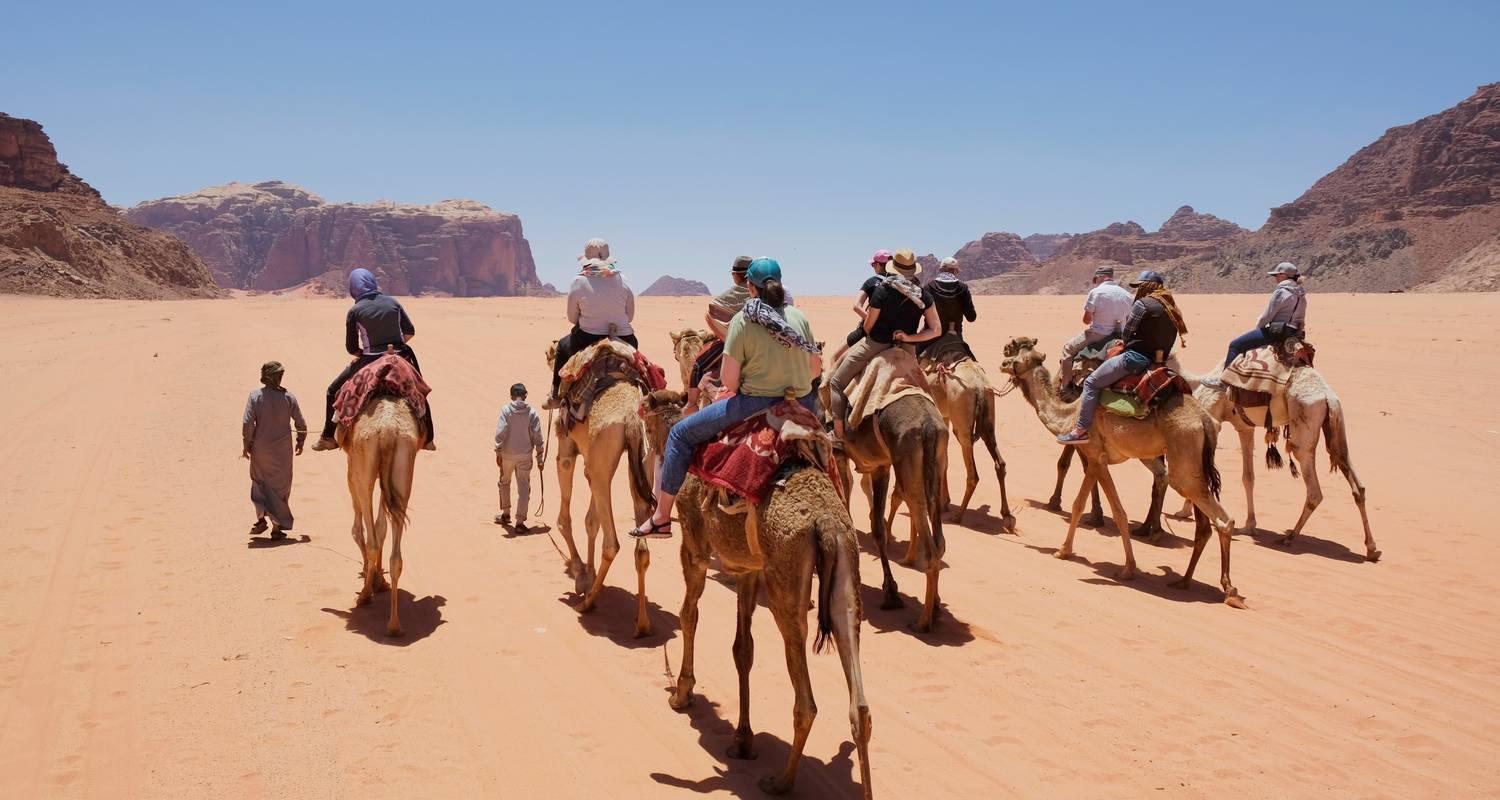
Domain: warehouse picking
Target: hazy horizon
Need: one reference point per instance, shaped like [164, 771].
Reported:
[688, 135]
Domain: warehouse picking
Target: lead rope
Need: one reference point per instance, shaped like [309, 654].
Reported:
[541, 507]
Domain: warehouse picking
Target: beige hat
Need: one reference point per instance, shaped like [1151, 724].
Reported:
[903, 263]
[596, 254]
[949, 264]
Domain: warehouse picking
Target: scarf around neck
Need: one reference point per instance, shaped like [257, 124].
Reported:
[761, 313]
[906, 287]
[1161, 295]
[599, 270]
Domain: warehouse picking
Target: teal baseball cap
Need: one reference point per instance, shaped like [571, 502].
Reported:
[762, 270]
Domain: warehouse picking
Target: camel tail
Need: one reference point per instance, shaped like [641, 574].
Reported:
[1210, 470]
[640, 477]
[826, 562]
[1335, 437]
[391, 499]
[934, 463]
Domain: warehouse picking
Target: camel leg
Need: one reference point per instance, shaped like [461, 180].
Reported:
[362, 466]
[1096, 516]
[1305, 453]
[1054, 503]
[744, 657]
[1201, 533]
[601, 513]
[1371, 551]
[791, 618]
[1150, 528]
[1122, 521]
[971, 480]
[403, 464]
[567, 455]
[1066, 551]
[642, 563]
[694, 573]
[879, 485]
[393, 626]
[845, 614]
[1247, 473]
[890, 515]
[1006, 517]
[1222, 523]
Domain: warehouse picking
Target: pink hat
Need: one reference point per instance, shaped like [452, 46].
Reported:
[880, 257]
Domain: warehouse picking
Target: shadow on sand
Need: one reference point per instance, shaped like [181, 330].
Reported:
[419, 618]
[815, 778]
[947, 630]
[262, 542]
[1305, 545]
[531, 530]
[613, 617]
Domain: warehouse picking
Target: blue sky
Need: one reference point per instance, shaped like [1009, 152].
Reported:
[689, 133]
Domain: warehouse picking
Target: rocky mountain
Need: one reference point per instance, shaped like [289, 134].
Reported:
[273, 235]
[668, 286]
[58, 237]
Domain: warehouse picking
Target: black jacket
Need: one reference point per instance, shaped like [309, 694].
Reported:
[1149, 329]
[954, 304]
[376, 320]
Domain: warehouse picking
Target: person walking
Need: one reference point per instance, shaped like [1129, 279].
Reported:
[517, 435]
[266, 433]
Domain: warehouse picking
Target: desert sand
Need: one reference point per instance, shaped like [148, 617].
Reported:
[152, 650]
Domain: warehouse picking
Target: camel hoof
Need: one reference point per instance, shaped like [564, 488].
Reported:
[1008, 523]
[381, 586]
[1063, 555]
[1055, 504]
[771, 784]
[1126, 574]
[362, 599]
[919, 626]
[741, 751]
[1181, 583]
[394, 632]
[891, 600]
[584, 606]
[1233, 599]
[1372, 556]
[680, 701]
[641, 633]
[1286, 539]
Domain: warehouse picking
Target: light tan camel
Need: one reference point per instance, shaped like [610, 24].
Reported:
[1178, 428]
[803, 530]
[1313, 410]
[611, 430]
[966, 399]
[685, 346]
[381, 446]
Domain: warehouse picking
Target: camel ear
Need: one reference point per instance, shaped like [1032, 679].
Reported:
[676, 337]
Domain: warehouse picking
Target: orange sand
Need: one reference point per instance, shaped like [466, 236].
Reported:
[148, 652]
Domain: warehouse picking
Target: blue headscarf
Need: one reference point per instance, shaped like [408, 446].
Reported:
[361, 283]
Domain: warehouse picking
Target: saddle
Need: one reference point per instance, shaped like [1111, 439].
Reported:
[946, 350]
[890, 376]
[1092, 355]
[748, 457]
[597, 368]
[1136, 395]
[387, 376]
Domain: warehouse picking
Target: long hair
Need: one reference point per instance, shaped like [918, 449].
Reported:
[773, 294]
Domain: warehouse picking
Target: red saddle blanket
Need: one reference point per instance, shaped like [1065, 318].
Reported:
[388, 375]
[1148, 385]
[746, 456]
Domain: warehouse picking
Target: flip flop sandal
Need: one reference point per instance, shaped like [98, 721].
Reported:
[651, 530]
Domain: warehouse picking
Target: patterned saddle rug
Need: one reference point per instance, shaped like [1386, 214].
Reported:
[747, 457]
[387, 376]
[1136, 395]
[598, 367]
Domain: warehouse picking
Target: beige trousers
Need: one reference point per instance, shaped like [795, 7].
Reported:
[519, 468]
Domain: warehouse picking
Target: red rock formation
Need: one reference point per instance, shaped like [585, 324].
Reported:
[273, 235]
[994, 254]
[58, 237]
[668, 286]
[1047, 245]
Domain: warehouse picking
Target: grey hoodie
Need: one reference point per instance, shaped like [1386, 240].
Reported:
[1288, 304]
[519, 430]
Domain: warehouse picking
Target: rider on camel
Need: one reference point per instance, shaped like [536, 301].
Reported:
[954, 304]
[1104, 312]
[601, 305]
[1285, 317]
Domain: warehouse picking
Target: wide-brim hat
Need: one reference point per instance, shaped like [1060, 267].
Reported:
[903, 263]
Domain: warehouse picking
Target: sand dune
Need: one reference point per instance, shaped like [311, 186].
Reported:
[150, 650]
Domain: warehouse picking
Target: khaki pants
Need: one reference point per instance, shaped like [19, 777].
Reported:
[520, 468]
[1071, 350]
[851, 367]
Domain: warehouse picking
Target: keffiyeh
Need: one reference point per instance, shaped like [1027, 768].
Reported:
[761, 313]
[905, 286]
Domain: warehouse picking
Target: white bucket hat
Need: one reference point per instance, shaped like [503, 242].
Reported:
[596, 254]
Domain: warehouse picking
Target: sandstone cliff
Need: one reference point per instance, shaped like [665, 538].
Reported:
[58, 237]
[273, 235]
[668, 286]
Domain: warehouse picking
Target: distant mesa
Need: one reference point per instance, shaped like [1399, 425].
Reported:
[274, 236]
[58, 237]
[668, 286]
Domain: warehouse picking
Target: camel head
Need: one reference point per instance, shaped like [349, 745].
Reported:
[685, 346]
[661, 410]
[1021, 357]
[551, 352]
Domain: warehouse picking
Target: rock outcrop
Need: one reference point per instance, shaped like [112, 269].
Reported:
[273, 235]
[58, 237]
[668, 286]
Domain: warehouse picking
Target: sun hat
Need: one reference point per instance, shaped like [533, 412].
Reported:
[903, 263]
[518, 390]
[1286, 268]
[880, 257]
[762, 270]
[1104, 269]
[1148, 276]
[741, 263]
[596, 254]
[949, 264]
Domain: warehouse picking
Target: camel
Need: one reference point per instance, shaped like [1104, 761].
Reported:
[1313, 410]
[966, 399]
[611, 430]
[909, 437]
[1178, 428]
[685, 346]
[802, 529]
[381, 446]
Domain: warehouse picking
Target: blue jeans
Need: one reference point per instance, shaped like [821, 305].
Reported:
[1245, 343]
[708, 423]
[1127, 363]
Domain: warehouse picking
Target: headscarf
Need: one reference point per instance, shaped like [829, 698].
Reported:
[270, 374]
[1162, 295]
[904, 285]
[763, 314]
[595, 259]
[361, 283]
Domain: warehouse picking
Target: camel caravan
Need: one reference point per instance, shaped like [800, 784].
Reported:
[757, 452]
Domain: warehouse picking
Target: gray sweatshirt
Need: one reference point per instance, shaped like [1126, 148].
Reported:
[519, 430]
[596, 302]
[1288, 304]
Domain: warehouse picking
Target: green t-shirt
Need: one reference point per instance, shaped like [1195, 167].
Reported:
[768, 369]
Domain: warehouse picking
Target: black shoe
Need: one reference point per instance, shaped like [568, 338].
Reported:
[521, 528]
[259, 527]
[503, 519]
[277, 534]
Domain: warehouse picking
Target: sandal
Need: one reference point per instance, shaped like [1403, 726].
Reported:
[651, 529]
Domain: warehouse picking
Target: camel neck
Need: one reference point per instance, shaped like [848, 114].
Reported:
[1040, 392]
